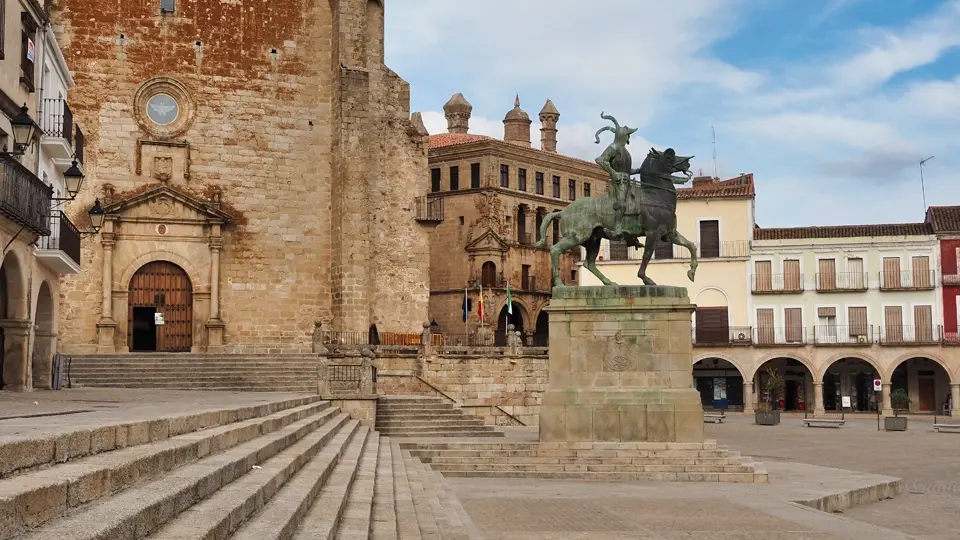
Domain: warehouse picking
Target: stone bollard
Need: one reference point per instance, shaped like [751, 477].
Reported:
[513, 340]
[323, 375]
[366, 372]
[318, 338]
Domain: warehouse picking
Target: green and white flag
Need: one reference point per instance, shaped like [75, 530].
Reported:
[509, 300]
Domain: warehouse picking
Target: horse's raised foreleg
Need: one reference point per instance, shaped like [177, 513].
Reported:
[653, 238]
[590, 262]
[678, 239]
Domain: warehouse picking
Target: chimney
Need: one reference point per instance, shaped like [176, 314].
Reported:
[549, 116]
[458, 111]
[516, 126]
[701, 181]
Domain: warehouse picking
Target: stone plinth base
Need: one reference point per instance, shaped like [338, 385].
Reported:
[620, 366]
[359, 407]
[643, 461]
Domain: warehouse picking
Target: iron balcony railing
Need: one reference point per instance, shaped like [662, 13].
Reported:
[732, 249]
[910, 334]
[908, 280]
[830, 334]
[842, 281]
[429, 209]
[64, 236]
[56, 120]
[776, 283]
[779, 335]
[24, 198]
[722, 335]
[950, 279]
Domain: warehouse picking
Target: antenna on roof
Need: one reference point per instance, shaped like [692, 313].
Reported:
[923, 192]
[713, 132]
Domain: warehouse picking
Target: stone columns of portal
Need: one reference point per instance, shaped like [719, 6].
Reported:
[107, 327]
[16, 357]
[214, 324]
[748, 396]
[818, 398]
[42, 368]
[955, 395]
[887, 408]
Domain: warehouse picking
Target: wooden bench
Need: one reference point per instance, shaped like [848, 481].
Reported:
[823, 422]
[949, 428]
[714, 418]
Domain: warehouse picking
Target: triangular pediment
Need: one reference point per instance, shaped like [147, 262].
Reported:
[488, 241]
[163, 202]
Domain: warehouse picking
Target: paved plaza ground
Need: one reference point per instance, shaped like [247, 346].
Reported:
[797, 459]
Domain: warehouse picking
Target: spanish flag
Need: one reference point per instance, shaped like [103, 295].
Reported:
[480, 304]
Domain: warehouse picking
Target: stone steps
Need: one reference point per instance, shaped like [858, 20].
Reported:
[418, 416]
[302, 472]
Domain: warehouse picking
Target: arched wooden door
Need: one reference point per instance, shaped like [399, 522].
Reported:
[161, 309]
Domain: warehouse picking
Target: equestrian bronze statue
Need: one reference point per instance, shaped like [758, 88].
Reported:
[628, 210]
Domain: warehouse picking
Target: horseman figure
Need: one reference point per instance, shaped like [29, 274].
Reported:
[618, 163]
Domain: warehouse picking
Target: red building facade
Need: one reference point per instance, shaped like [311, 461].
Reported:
[945, 221]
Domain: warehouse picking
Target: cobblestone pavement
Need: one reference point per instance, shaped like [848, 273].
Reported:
[928, 462]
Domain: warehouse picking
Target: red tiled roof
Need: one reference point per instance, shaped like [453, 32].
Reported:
[741, 186]
[944, 219]
[441, 140]
[842, 231]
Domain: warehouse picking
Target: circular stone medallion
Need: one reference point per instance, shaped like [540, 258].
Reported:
[618, 363]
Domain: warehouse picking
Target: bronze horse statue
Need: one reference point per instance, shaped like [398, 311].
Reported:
[647, 208]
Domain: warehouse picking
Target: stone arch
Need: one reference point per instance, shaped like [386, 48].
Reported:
[850, 354]
[13, 288]
[773, 356]
[541, 329]
[44, 338]
[711, 288]
[719, 381]
[197, 278]
[707, 356]
[798, 392]
[160, 287]
[953, 377]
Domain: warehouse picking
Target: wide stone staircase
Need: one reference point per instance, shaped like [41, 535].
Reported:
[294, 470]
[189, 371]
[425, 416]
[605, 461]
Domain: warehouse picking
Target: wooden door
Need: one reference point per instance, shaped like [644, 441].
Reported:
[857, 321]
[710, 238]
[928, 393]
[712, 325]
[765, 329]
[855, 277]
[893, 324]
[791, 275]
[763, 277]
[793, 317]
[923, 324]
[166, 287]
[827, 279]
[921, 273]
[891, 273]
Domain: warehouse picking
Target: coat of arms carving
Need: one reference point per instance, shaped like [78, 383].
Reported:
[163, 206]
[163, 168]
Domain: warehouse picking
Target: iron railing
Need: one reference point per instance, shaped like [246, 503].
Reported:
[951, 338]
[64, 236]
[779, 335]
[830, 334]
[56, 120]
[950, 279]
[842, 281]
[910, 334]
[776, 283]
[429, 209]
[24, 198]
[465, 340]
[732, 249]
[907, 280]
[722, 335]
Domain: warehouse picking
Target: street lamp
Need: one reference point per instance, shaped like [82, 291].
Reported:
[96, 217]
[73, 178]
[24, 130]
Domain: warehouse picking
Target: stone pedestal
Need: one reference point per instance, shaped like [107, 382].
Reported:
[621, 366]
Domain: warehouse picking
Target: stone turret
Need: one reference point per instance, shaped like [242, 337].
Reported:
[458, 111]
[549, 116]
[516, 125]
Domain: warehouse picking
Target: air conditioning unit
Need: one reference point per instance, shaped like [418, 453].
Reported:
[861, 339]
[741, 337]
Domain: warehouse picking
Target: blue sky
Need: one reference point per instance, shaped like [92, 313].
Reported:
[830, 103]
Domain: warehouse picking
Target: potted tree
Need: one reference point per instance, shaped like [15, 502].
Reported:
[900, 401]
[767, 413]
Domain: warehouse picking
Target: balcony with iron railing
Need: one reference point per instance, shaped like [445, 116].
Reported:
[61, 250]
[776, 283]
[56, 123]
[714, 336]
[908, 280]
[842, 281]
[429, 211]
[734, 249]
[779, 335]
[24, 198]
[910, 334]
[950, 280]
[831, 334]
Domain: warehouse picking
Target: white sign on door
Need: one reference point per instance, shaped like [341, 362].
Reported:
[877, 385]
[158, 319]
[845, 402]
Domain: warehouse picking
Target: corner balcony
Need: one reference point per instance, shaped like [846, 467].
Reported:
[60, 251]
[56, 122]
[429, 211]
[24, 198]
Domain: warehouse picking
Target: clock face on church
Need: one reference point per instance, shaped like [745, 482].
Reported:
[163, 109]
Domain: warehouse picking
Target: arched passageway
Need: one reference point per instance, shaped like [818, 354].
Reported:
[796, 394]
[848, 386]
[926, 382]
[541, 335]
[504, 319]
[13, 341]
[160, 317]
[44, 339]
[720, 384]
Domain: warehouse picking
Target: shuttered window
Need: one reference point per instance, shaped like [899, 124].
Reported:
[664, 250]
[855, 277]
[712, 325]
[763, 278]
[921, 272]
[893, 324]
[710, 238]
[765, 329]
[618, 250]
[857, 320]
[793, 319]
[475, 175]
[791, 275]
[923, 323]
[827, 274]
[891, 273]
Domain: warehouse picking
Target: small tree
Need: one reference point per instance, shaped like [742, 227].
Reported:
[900, 400]
[773, 386]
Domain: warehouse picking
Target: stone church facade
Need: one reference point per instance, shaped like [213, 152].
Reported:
[259, 168]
